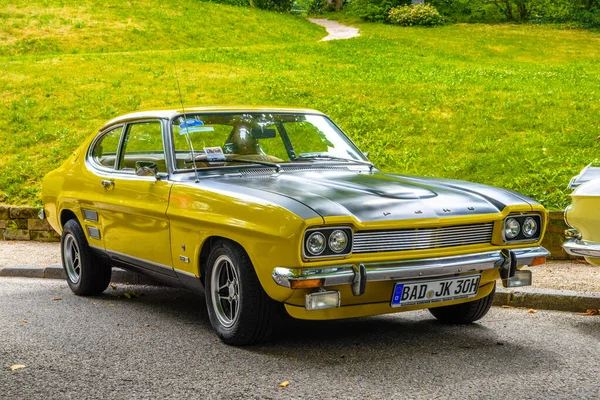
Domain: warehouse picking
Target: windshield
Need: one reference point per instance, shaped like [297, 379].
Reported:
[270, 138]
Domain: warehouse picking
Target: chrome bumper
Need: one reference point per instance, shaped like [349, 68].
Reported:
[582, 248]
[358, 274]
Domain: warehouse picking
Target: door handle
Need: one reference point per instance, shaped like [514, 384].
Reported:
[107, 184]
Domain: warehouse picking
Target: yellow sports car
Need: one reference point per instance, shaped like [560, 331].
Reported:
[272, 209]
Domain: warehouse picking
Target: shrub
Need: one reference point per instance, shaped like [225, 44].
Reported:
[313, 7]
[418, 14]
[579, 12]
[374, 10]
[239, 3]
[274, 5]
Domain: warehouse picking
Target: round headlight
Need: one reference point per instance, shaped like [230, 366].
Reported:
[530, 227]
[315, 244]
[338, 241]
[511, 228]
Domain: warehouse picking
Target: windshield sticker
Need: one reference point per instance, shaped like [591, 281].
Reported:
[193, 125]
[214, 154]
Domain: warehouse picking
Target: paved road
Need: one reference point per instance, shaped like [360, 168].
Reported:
[160, 345]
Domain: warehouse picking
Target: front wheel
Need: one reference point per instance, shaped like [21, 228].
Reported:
[87, 275]
[240, 311]
[464, 313]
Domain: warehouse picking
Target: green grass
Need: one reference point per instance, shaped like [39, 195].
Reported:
[512, 106]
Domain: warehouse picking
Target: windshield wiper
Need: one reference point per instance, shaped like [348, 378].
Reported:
[330, 157]
[202, 158]
[243, 160]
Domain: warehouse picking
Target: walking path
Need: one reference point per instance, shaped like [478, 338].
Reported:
[335, 29]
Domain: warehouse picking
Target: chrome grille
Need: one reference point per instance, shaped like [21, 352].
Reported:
[419, 239]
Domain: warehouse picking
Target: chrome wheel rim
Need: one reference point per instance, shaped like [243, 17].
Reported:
[225, 291]
[72, 259]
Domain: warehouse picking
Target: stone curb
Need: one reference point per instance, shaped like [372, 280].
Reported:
[542, 299]
[547, 299]
[57, 272]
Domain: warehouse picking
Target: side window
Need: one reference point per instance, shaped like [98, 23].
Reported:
[143, 142]
[105, 149]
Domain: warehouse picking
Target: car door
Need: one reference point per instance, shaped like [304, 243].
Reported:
[133, 211]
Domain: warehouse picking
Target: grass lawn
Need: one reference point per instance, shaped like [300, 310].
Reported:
[515, 106]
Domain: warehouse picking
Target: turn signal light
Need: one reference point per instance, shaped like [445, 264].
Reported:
[538, 261]
[306, 284]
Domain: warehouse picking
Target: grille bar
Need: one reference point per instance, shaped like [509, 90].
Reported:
[426, 238]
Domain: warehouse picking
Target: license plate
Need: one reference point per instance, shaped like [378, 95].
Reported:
[434, 291]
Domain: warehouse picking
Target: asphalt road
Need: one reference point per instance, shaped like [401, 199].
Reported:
[160, 345]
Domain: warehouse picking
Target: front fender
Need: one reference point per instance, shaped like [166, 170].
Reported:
[269, 233]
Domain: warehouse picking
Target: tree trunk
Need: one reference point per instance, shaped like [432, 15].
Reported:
[418, 2]
[338, 5]
[524, 12]
[506, 10]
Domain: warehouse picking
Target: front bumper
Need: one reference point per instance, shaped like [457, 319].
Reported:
[577, 247]
[357, 275]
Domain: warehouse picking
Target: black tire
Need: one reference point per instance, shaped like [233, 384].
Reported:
[87, 275]
[464, 313]
[241, 313]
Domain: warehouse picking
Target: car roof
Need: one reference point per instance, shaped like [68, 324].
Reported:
[170, 113]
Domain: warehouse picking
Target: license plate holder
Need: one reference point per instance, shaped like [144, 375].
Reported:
[435, 290]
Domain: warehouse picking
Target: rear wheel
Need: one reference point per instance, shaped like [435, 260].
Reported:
[86, 273]
[464, 313]
[239, 310]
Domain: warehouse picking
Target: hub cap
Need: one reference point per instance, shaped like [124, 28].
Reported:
[225, 291]
[72, 259]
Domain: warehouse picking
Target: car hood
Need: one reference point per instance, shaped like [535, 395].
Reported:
[377, 196]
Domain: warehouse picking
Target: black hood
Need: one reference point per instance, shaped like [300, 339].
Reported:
[377, 196]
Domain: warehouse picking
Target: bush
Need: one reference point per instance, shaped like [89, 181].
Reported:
[374, 10]
[274, 5]
[313, 7]
[578, 12]
[239, 3]
[415, 15]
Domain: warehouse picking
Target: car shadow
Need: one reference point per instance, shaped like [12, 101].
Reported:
[401, 339]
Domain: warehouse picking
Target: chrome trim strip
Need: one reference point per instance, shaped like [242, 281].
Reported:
[185, 273]
[93, 232]
[407, 269]
[140, 262]
[582, 248]
[90, 215]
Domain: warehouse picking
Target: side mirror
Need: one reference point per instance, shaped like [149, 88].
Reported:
[146, 168]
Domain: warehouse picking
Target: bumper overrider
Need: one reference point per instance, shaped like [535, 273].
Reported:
[357, 275]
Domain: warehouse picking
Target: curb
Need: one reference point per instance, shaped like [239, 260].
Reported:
[542, 299]
[57, 272]
[547, 299]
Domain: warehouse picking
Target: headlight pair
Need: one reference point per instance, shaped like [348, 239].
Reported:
[327, 242]
[522, 228]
